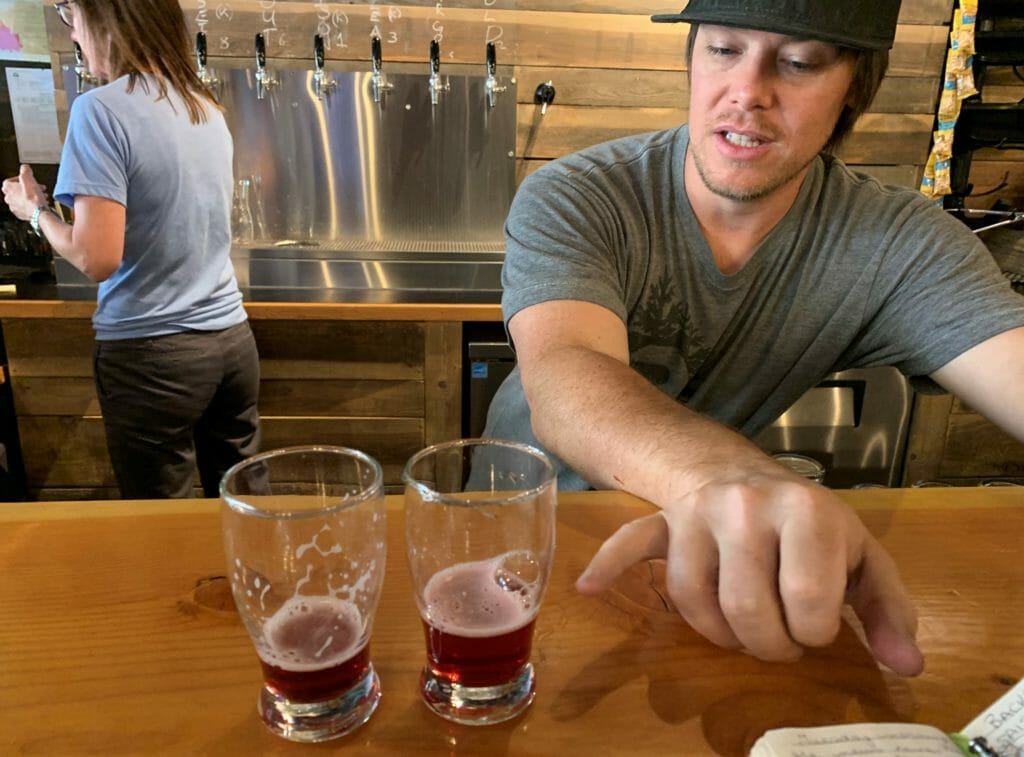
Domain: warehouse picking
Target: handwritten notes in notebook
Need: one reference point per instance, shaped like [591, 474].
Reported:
[1002, 725]
[858, 740]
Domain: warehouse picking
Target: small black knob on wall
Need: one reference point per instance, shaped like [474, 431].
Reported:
[544, 96]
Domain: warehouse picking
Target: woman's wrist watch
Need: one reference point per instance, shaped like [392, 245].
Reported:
[34, 220]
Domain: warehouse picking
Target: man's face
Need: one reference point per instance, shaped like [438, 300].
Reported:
[762, 106]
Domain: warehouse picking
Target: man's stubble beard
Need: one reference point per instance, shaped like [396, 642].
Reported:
[749, 195]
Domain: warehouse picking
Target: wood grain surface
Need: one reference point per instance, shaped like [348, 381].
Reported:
[118, 636]
[603, 55]
[389, 387]
[292, 311]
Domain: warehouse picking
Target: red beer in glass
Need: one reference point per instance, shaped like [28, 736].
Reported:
[313, 649]
[479, 630]
[480, 537]
[306, 541]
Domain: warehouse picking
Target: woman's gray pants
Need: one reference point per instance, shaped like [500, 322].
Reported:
[175, 403]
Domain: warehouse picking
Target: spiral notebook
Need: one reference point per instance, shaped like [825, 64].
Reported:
[1000, 727]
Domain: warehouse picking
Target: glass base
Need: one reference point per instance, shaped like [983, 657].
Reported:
[477, 705]
[319, 721]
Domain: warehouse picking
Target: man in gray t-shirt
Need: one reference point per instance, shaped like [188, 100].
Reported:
[671, 294]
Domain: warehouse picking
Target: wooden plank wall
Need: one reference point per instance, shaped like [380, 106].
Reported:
[388, 388]
[998, 174]
[615, 72]
[951, 442]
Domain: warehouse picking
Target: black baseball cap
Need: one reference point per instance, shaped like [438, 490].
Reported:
[861, 24]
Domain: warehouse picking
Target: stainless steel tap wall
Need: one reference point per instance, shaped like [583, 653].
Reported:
[350, 200]
[347, 169]
[345, 172]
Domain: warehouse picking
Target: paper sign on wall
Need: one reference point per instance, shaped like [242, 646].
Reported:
[35, 118]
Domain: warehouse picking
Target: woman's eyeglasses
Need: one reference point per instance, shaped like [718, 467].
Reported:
[64, 11]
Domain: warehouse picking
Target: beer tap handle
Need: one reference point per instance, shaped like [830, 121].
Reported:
[264, 80]
[201, 50]
[322, 83]
[318, 52]
[435, 57]
[261, 52]
[206, 78]
[491, 87]
[379, 85]
[492, 60]
[81, 73]
[434, 83]
[376, 57]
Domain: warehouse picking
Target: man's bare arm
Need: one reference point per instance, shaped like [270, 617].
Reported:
[990, 378]
[617, 430]
[757, 558]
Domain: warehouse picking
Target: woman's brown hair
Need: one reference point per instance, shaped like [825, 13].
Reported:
[148, 37]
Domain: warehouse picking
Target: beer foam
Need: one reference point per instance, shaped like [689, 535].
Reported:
[311, 633]
[477, 599]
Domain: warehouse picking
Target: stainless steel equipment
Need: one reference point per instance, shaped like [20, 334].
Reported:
[362, 188]
[489, 359]
[854, 423]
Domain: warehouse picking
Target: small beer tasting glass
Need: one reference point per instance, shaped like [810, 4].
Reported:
[480, 539]
[305, 539]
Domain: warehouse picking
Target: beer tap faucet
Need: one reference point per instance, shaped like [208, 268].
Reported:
[82, 75]
[491, 87]
[206, 77]
[435, 83]
[264, 79]
[379, 85]
[322, 82]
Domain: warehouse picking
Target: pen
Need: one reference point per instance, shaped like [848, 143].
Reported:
[979, 746]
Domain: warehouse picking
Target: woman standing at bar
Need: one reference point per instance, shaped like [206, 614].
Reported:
[146, 165]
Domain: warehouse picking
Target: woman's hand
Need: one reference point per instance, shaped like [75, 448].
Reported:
[23, 194]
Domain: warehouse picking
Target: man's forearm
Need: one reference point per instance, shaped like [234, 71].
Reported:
[990, 378]
[618, 431]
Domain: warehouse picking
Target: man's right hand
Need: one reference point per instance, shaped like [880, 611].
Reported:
[765, 564]
[757, 557]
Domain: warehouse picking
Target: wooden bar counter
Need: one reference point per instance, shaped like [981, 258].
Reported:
[118, 635]
[262, 311]
[384, 378]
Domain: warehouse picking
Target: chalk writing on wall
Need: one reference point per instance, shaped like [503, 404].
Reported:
[331, 25]
[268, 16]
[201, 18]
[383, 24]
[493, 30]
[437, 22]
[224, 13]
